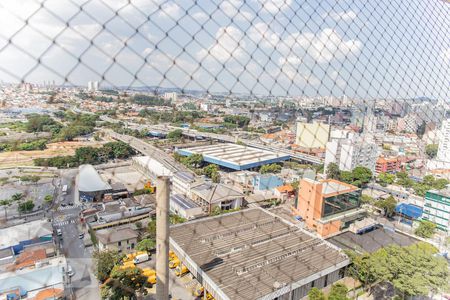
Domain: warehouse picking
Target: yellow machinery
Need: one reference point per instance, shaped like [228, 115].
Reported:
[181, 270]
[150, 187]
[174, 263]
[172, 255]
[150, 274]
[130, 256]
[198, 290]
[127, 265]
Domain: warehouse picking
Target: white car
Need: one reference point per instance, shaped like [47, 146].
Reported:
[59, 232]
[70, 271]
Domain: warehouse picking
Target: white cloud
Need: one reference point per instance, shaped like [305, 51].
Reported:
[275, 6]
[343, 16]
[261, 34]
[228, 44]
[446, 55]
[322, 47]
[233, 9]
[170, 10]
[200, 16]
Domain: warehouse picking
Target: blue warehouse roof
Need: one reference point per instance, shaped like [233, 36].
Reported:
[234, 156]
[409, 210]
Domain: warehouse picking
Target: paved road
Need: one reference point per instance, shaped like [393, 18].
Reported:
[83, 283]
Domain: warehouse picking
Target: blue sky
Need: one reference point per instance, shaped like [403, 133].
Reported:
[365, 49]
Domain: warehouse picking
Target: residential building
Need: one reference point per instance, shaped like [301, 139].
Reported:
[350, 153]
[211, 195]
[437, 208]
[120, 239]
[388, 165]
[19, 237]
[182, 181]
[328, 206]
[266, 182]
[35, 277]
[444, 142]
[184, 207]
[312, 135]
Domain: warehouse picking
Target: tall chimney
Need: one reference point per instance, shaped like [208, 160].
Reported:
[162, 237]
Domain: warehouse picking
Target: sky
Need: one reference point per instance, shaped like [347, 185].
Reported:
[364, 49]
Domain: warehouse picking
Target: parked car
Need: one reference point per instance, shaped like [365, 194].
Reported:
[59, 232]
[70, 271]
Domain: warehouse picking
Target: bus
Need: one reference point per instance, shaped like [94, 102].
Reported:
[64, 189]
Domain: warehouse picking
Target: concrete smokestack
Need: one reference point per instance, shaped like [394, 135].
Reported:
[162, 237]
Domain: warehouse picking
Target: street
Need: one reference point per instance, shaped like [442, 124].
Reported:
[83, 283]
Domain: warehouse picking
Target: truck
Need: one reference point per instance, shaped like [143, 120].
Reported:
[141, 258]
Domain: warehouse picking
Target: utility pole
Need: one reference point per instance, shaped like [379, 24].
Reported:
[162, 237]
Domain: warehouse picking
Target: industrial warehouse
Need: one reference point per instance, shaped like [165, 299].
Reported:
[235, 157]
[253, 254]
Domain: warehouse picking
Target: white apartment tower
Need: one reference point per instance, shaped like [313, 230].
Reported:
[444, 142]
[351, 152]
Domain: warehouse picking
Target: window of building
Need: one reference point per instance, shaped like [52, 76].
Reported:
[119, 243]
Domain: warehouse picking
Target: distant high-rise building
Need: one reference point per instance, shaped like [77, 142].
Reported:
[312, 135]
[444, 142]
[171, 96]
[93, 86]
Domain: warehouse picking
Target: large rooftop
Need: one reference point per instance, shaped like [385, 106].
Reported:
[252, 253]
[90, 180]
[236, 157]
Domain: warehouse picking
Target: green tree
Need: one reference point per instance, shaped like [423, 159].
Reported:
[175, 135]
[176, 219]
[346, 176]
[361, 176]
[333, 171]
[146, 245]
[194, 160]
[316, 294]
[26, 206]
[104, 262]
[338, 292]
[426, 229]
[124, 283]
[271, 168]
[48, 198]
[17, 197]
[413, 270]
[151, 228]
[440, 183]
[385, 179]
[388, 205]
[431, 150]
[404, 180]
[366, 199]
